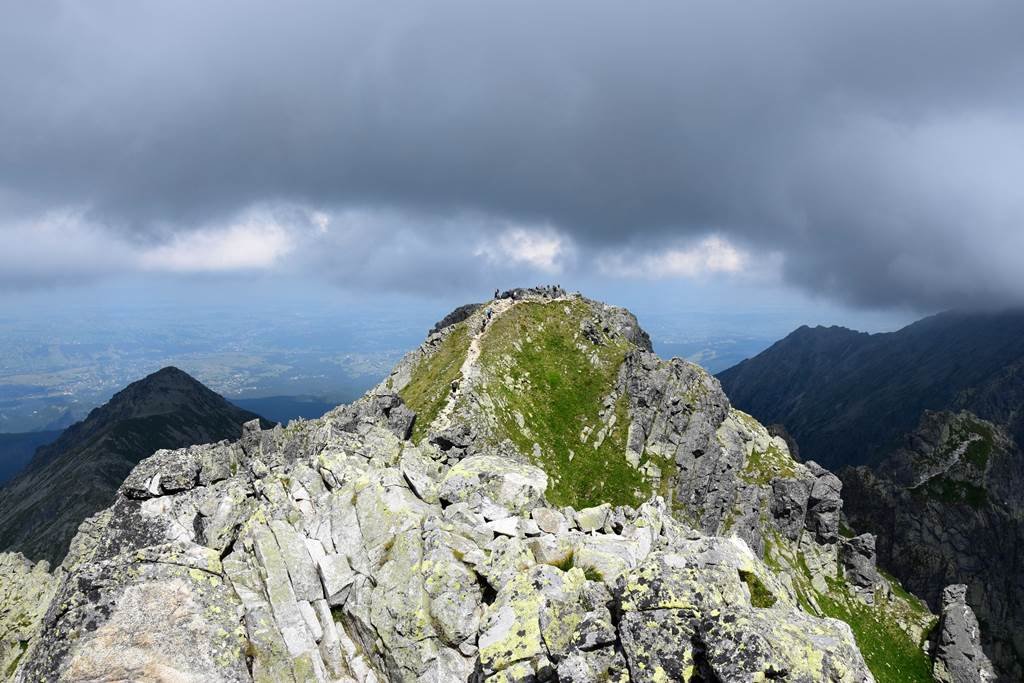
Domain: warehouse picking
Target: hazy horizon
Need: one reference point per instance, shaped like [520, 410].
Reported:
[182, 183]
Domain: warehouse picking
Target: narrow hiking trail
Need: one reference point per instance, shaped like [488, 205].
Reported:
[469, 369]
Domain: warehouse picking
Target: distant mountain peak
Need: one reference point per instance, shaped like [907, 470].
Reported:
[160, 382]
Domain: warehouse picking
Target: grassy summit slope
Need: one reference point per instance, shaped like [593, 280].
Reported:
[430, 386]
[553, 391]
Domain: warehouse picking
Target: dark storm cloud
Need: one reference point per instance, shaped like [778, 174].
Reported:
[876, 145]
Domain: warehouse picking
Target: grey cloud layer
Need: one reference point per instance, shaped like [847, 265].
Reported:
[874, 144]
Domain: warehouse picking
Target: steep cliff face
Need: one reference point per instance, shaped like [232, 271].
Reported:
[946, 510]
[78, 474]
[530, 495]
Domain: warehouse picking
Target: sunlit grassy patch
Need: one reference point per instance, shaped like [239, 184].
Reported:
[430, 386]
[543, 370]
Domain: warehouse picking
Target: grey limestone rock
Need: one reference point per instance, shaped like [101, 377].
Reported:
[824, 504]
[358, 577]
[493, 486]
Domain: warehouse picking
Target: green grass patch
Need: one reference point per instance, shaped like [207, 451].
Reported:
[953, 491]
[565, 563]
[569, 561]
[539, 365]
[430, 386]
[889, 652]
[760, 596]
[761, 467]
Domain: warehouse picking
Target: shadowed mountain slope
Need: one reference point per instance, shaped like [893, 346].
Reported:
[16, 451]
[924, 426]
[847, 397]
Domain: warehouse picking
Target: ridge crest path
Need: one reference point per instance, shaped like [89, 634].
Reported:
[480, 322]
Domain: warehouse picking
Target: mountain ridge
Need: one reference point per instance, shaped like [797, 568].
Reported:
[879, 383]
[530, 495]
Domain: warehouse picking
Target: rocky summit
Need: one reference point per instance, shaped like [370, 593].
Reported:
[531, 495]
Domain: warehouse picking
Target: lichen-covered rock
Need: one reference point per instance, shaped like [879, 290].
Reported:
[592, 519]
[160, 612]
[493, 486]
[688, 616]
[25, 591]
[357, 577]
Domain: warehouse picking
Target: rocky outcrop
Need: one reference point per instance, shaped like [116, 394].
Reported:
[78, 474]
[25, 591]
[824, 504]
[857, 555]
[925, 426]
[310, 554]
[455, 317]
[958, 657]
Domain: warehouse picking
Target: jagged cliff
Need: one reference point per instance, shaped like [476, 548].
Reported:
[530, 495]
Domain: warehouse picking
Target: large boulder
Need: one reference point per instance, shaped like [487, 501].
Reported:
[495, 487]
[857, 556]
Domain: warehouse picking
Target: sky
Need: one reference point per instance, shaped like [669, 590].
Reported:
[853, 163]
